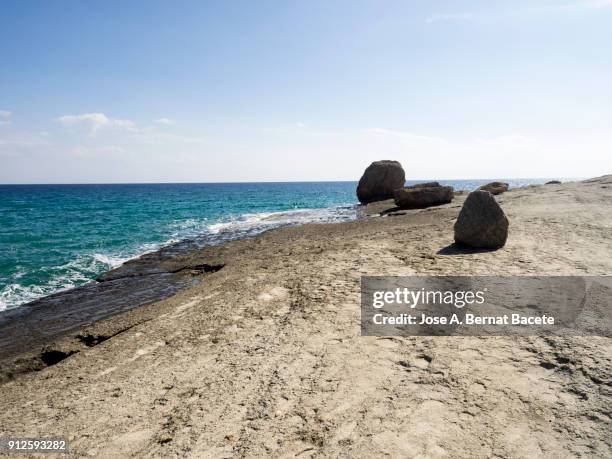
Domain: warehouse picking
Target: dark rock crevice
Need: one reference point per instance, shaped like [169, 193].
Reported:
[199, 269]
[54, 356]
[91, 340]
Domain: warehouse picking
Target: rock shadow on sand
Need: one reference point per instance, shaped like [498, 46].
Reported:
[461, 249]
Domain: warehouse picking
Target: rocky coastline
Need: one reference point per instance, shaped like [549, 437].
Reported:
[260, 352]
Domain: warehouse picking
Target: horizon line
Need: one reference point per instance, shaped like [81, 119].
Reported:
[277, 181]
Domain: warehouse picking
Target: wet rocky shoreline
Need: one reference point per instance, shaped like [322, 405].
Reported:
[30, 333]
[149, 278]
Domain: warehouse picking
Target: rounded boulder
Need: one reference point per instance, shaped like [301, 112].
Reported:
[380, 180]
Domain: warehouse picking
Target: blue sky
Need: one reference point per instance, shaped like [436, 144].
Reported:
[147, 91]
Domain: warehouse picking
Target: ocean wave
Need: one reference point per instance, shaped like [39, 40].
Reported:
[109, 260]
[14, 295]
[86, 267]
[263, 221]
[78, 271]
[186, 229]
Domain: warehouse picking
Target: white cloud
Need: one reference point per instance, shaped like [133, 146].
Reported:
[126, 132]
[166, 121]
[5, 117]
[97, 121]
[301, 125]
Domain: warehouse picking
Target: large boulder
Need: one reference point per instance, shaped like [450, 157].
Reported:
[419, 197]
[553, 182]
[495, 187]
[380, 180]
[481, 222]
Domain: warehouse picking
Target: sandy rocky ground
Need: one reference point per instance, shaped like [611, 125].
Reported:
[264, 358]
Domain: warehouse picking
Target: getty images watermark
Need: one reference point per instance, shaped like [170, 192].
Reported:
[486, 305]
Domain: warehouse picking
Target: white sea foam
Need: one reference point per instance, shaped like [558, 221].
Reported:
[15, 294]
[110, 261]
[250, 224]
[76, 272]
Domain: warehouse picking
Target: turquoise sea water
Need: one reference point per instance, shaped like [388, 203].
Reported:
[55, 237]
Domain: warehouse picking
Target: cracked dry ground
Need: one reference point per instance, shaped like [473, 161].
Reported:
[264, 358]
